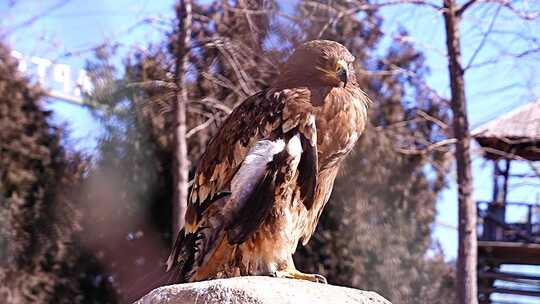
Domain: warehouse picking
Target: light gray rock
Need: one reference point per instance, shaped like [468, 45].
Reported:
[258, 290]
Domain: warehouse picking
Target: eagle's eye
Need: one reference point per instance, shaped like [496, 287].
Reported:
[334, 72]
[342, 71]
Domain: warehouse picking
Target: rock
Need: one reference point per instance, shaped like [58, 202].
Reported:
[258, 290]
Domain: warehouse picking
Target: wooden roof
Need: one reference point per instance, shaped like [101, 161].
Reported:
[513, 135]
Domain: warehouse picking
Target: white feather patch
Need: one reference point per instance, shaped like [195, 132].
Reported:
[254, 167]
[294, 146]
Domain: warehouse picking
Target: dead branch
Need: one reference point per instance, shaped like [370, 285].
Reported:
[508, 4]
[484, 39]
[200, 127]
[224, 82]
[214, 103]
[153, 84]
[464, 7]
[34, 18]
[434, 120]
[429, 148]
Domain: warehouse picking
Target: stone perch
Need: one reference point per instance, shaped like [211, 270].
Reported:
[259, 290]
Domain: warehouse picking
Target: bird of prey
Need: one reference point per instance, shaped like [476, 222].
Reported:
[267, 174]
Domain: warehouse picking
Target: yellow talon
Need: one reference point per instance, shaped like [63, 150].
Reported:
[295, 274]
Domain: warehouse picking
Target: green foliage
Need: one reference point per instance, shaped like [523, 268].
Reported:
[127, 195]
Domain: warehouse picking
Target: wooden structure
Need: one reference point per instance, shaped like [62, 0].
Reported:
[512, 137]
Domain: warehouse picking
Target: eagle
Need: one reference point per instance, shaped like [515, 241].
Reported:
[265, 177]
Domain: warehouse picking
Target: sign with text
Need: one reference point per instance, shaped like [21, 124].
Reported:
[60, 80]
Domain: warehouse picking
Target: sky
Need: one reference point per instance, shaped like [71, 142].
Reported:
[76, 28]
[492, 90]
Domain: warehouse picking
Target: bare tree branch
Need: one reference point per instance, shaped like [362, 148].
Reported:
[526, 15]
[34, 18]
[484, 39]
[153, 84]
[429, 148]
[532, 165]
[200, 127]
[464, 7]
[434, 120]
[214, 103]
[502, 57]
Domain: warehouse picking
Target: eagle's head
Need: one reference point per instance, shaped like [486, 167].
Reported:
[318, 63]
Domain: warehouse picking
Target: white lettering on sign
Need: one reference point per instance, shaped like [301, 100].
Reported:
[62, 74]
[42, 65]
[84, 83]
[22, 63]
[59, 79]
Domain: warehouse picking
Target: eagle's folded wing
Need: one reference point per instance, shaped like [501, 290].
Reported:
[268, 170]
[261, 184]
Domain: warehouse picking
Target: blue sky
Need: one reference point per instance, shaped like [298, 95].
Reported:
[77, 27]
[491, 90]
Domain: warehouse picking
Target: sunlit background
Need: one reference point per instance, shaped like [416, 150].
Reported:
[56, 43]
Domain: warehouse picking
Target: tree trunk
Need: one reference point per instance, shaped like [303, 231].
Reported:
[466, 266]
[181, 160]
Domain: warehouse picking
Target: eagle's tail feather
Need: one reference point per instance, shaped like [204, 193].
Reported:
[176, 249]
[181, 257]
[192, 249]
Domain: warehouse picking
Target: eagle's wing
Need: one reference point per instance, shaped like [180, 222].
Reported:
[269, 135]
[269, 115]
[268, 169]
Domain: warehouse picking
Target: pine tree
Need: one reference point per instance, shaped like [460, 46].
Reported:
[38, 221]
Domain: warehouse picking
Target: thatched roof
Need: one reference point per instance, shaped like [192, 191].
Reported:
[516, 133]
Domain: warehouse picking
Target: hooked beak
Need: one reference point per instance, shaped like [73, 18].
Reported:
[342, 72]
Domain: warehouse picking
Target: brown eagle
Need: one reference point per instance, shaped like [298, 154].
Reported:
[265, 177]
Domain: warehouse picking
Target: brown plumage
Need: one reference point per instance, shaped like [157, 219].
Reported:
[265, 177]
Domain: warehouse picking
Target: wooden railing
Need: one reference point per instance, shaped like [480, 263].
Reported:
[509, 222]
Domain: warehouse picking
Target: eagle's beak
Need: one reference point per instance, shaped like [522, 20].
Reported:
[342, 72]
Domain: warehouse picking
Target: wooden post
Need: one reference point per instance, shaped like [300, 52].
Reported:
[505, 181]
[495, 197]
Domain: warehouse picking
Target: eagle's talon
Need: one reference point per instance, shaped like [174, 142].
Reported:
[320, 279]
[295, 274]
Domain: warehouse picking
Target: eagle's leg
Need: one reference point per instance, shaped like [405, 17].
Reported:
[295, 274]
